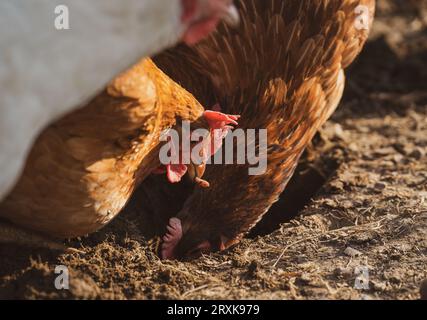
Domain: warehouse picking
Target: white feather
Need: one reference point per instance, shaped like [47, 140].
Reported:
[45, 72]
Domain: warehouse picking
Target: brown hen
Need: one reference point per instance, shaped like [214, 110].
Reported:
[281, 70]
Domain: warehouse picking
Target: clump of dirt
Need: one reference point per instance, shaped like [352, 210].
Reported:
[352, 224]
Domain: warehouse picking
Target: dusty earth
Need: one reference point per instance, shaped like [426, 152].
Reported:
[358, 200]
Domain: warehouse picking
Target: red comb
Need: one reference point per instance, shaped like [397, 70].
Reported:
[218, 120]
[220, 126]
[175, 172]
[171, 239]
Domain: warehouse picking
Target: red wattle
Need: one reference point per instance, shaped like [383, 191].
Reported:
[200, 30]
[175, 172]
[189, 9]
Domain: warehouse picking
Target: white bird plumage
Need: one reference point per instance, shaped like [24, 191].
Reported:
[45, 72]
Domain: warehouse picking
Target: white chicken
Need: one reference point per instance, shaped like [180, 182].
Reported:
[46, 72]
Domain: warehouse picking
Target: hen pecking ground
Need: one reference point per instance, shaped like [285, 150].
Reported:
[359, 200]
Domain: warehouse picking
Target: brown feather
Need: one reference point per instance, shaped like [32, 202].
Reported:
[281, 70]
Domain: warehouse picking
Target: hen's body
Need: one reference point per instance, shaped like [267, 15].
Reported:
[282, 70]
[83, 169]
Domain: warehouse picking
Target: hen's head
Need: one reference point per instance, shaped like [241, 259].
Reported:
[189, 234]
[219, 125]
[201, 17]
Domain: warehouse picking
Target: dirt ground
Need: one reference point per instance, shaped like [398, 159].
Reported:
[358, 200]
